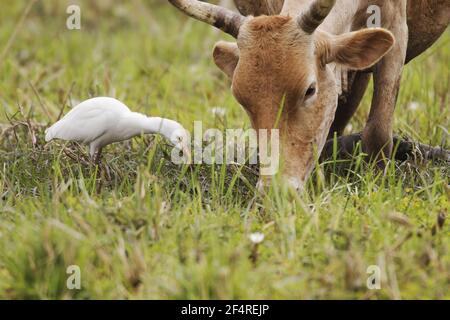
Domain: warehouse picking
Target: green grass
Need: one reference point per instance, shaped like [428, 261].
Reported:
[156, 230]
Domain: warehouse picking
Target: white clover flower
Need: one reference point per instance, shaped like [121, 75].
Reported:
[349, 128]
[256, 237]
[218, 111]
[414, 105]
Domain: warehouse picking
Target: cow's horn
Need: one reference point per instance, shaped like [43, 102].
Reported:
[219, 17]
[314, 16]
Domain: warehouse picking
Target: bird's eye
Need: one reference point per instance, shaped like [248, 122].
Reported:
[311, 91]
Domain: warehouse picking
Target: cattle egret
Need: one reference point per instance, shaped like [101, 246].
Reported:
[100, 121]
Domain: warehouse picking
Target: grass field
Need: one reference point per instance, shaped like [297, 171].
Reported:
[155, 230]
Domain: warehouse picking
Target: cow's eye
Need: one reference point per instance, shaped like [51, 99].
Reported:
[311, 90]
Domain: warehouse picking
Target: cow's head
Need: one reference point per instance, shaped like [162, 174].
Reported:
[281, 62]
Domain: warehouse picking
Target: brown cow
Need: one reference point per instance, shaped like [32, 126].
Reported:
[292, 57]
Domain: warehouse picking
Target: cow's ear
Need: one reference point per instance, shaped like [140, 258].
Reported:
[356, 50]
[226, 57]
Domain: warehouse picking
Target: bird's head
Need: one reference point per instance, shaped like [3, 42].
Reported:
[181, 139]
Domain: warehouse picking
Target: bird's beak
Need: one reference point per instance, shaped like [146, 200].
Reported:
[186, 153]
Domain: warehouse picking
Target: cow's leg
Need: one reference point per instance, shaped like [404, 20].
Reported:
[405, 149]
[347, 108]
[377, 134]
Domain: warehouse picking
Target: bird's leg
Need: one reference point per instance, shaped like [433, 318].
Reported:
[101, 165]
[98, 157]
[97, 162]
[108, 173]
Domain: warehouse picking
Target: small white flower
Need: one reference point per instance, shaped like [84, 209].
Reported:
[256, 237]
[218, 111]
[414, 105]
[349, 128]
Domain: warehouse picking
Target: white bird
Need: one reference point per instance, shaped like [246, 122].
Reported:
[100, 121]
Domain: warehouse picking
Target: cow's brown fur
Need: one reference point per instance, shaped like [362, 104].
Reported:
[257, 8]
[272, 51]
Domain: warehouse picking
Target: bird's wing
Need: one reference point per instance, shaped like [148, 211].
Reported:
[88, 120]
[98, 103]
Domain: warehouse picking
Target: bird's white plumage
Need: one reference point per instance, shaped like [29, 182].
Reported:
[103, 120]
[88, 121]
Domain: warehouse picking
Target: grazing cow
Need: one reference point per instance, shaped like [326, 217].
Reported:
[313, 59]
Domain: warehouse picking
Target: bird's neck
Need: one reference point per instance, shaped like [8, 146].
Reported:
[149, 125]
